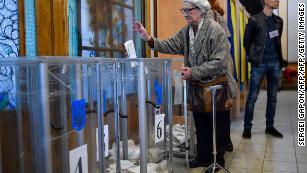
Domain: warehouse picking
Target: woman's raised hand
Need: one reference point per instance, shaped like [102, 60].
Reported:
[138, 27]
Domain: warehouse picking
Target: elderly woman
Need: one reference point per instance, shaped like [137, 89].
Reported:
[203, 43]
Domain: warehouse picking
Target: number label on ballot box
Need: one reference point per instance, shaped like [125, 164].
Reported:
[159, 128]
[78, 160]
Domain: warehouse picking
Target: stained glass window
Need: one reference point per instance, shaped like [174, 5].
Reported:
[9, 47]
[105, 26]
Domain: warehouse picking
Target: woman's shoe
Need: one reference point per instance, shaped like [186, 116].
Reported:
[196, 163]
[212, 171]
[229, 147]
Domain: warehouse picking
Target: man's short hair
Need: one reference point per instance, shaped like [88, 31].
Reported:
[262, 2]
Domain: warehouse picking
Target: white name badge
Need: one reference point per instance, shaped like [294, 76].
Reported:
[274, 33]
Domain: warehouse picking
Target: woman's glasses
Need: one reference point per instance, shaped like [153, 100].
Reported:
[187, 11]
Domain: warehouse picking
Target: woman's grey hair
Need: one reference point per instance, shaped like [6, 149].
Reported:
[203, 5]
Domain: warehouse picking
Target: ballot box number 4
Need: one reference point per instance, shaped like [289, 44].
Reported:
[78, 160]
[159, 128]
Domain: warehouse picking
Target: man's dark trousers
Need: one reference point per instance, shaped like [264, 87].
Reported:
[272, 72]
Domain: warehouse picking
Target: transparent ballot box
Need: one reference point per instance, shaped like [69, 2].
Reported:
[183, 123]
[57, 114]
[145, 115]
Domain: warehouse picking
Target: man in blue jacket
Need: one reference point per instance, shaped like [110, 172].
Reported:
[262, 41]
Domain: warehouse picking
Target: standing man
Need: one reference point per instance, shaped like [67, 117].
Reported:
[262, 41]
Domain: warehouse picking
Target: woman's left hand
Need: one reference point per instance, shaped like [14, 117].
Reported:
[228, 104]
[186, 73]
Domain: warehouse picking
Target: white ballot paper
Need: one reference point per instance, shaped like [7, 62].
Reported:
[178, 87]
[129, 45]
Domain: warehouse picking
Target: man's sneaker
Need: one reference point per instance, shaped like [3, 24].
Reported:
[229, 146]
[272, 131]
[247, 134]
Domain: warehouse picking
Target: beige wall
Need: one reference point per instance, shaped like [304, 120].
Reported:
[223, 3]
[283, 13]
[169, 20]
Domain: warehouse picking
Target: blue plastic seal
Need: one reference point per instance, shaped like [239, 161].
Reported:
[104, 92]
[78, 114]
[158, 92]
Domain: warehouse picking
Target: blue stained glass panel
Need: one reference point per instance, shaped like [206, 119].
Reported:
[9, 47]
[127, 2]
[105, 54]
[89, 53]
[87, 33]
[104, 38]
[9, 32]
[118, 26]
[128, 22]
[118, 55]
[73, 28]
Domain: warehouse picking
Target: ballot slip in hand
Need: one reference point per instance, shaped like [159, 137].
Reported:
[129, 45]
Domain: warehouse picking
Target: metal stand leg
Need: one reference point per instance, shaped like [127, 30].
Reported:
[192, 136]
[100, 117]
[142, 118]
[124, 120]
[116, 120]
[214, 165]
[64, 131]
[169, 112]
[185, 112]
[79, 87]
[44, 159]
[91, 117]
[19, 124]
